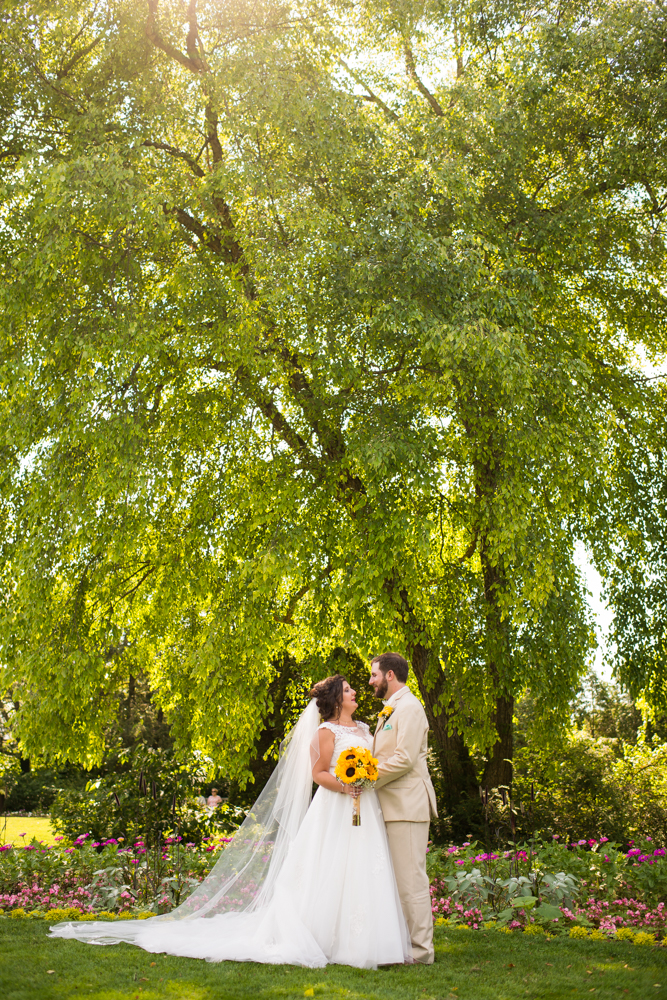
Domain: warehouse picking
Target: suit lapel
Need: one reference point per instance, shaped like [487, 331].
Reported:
[380, 723]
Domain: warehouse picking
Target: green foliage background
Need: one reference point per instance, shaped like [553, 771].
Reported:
[320, 331]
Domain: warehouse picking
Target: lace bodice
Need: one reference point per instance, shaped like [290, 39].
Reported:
[345, 737]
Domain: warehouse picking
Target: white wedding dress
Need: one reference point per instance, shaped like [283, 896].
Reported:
[315, 890]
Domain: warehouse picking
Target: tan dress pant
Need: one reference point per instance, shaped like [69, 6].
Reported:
[407, 843]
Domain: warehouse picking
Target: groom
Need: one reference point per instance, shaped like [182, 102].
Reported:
[406, 793]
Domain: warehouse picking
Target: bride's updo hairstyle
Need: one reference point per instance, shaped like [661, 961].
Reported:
[329, 696]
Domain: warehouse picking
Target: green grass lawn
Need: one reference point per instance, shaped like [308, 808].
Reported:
[11, 828]
[469, 966]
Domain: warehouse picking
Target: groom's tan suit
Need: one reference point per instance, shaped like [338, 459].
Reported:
[408, 802]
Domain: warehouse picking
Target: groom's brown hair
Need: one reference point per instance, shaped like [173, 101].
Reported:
[395, 662]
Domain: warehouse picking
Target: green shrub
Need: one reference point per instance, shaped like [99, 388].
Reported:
[587, 787]
[150, 792]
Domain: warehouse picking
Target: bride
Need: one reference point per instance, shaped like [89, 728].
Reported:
[298, 884]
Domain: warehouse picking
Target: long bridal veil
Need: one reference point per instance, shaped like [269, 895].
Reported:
[244, 877]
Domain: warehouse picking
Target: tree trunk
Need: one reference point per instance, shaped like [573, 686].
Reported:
[457, 767]
[498, 770]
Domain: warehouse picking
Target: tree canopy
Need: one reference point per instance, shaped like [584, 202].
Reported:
[320, 330]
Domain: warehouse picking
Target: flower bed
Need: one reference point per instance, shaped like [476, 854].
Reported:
[91, 876]
[590, 888]
[584, 888]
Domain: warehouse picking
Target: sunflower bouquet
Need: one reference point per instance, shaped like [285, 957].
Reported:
[357, 768]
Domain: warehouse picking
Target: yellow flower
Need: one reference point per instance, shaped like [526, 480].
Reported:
[346, 767]
[386, 712]
[356, 765]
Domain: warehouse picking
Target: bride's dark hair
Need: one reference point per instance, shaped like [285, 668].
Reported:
[329, 696]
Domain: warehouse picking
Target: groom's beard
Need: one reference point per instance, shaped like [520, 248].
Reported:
[381, 689]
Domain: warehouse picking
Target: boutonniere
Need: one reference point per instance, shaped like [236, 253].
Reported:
[385, 713]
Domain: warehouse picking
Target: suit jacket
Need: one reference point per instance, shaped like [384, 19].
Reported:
[404, 785]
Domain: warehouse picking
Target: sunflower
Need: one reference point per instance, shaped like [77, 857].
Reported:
[346, 767]
[356, 766]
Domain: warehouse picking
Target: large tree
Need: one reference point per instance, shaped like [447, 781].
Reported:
[317, 319]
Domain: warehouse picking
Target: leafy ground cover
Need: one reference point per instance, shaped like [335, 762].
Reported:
[34, 827]
[469, 966]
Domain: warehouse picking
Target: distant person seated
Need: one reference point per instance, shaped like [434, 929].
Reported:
[214, 800]
[201, 802]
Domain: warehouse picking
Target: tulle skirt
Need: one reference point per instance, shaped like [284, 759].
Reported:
[335, 901]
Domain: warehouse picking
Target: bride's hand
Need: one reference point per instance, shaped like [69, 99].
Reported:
[351, 790]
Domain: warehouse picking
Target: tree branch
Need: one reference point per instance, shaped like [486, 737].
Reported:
[228, 248]
[287, 618]
[208, 239]
[470, 551]
[179, 153]
[81, 54]
[270, 411]
[657, 207]
[411, 71]
[212, 139]
[193, 44]
[371, 96]
[194, 65]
